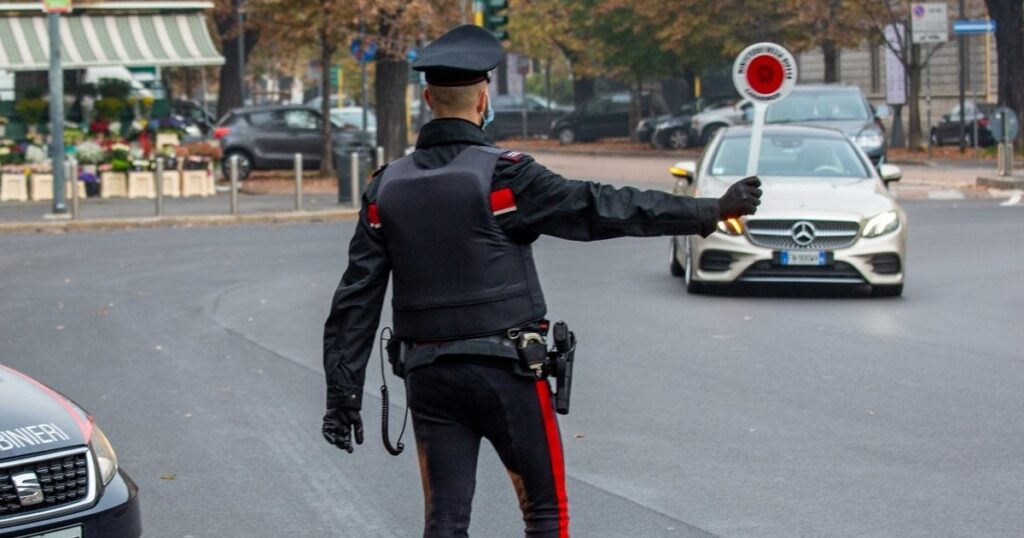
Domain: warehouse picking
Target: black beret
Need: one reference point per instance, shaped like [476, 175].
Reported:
[462, 56]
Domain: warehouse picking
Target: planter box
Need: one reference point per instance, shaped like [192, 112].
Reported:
[166, 139]
[195, 183]
[141, 185]
[172, 183]
[13, 187]
[113, 184]
[41, 187]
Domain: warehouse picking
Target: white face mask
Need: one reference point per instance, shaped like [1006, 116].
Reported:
[488, 113]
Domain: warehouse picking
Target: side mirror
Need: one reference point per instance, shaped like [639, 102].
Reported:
[883, 112]
[684, 170]
[889, 173]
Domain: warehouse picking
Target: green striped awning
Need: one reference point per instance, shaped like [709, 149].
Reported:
[100, 40]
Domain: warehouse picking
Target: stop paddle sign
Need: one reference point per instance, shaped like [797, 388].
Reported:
[763, 73]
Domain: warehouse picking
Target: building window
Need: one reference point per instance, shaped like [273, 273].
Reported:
[876, 68]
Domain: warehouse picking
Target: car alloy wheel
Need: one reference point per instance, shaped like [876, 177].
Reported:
[935, 139]
[692, 286]
[566, 136]
[679, 139]
[244, 164]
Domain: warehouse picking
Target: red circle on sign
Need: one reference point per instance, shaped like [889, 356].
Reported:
[765, 74]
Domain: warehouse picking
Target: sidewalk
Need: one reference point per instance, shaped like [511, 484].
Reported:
[119, 213]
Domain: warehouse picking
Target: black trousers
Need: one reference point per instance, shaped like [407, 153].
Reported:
[454, 405]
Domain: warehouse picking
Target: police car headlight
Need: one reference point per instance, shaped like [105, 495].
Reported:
[882, 224]
[870, 139]
[730, 227]
[104, 454]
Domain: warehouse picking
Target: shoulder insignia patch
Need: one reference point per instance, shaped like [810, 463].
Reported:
[512, 156]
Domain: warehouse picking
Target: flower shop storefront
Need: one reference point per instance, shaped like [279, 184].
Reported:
[113, 128]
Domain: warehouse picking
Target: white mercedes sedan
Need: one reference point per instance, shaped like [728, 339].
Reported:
[826, 217]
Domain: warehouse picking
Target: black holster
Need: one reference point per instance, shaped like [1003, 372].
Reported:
[396, 350]
[560, 365]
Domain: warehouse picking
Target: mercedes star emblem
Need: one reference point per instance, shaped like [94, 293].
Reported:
[803, 233]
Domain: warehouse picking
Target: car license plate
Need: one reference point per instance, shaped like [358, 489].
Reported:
[71, 532]
[799, 257]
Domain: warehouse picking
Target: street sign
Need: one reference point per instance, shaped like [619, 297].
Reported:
[895, 76]
[971, 26]
[929, 22]
[363, 52]
[764, 73]
[1011, 129]
[57, 6]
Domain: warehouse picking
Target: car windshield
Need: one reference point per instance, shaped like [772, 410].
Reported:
[790, 155]
[353, 118]
[818, 106]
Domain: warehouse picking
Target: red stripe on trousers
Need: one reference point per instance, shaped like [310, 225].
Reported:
[555, 450]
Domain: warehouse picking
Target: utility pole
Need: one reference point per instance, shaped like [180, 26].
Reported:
[240, 24]
[56, 80]
[962, 49]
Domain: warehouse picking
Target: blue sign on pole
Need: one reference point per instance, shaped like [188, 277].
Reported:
[363, 52]
[974, 26]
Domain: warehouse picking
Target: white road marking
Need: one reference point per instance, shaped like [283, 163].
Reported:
[945, 195]
[1014, 197]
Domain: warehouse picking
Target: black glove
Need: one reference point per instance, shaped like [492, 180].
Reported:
[742, 198]
[340, 421]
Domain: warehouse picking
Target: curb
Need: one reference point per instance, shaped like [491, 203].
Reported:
[1015, 182]
[184, 221]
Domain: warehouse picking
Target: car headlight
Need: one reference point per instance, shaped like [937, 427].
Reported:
[105, 456]
[882, 224]
[870, 139]
[730, 227]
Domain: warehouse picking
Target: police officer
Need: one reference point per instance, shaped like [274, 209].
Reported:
[452, 225]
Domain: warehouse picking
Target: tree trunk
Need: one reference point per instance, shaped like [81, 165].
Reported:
[326, 51]
[230, 93]
[830, 53]
[913, 100]
[582, 90]
[634, 109]
[1009, 17]
[390, 81]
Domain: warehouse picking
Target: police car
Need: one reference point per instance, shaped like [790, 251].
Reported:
[59, 476]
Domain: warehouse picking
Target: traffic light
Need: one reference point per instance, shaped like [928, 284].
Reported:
[496, 18]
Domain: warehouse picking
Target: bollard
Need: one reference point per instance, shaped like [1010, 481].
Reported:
[355, 179]
[380, 157]
[159, 186]
[72, 177]
[298, 182]
[234, 184]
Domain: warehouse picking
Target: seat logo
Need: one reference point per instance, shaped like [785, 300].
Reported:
[803, 233]
[29, 491]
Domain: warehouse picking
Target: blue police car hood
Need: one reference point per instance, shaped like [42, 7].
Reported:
[34, 418]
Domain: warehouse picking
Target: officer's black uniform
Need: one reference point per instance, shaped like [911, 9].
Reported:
[452, 225]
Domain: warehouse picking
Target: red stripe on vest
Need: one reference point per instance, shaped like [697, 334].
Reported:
[555, 450]
[502, 201]
[373, 216]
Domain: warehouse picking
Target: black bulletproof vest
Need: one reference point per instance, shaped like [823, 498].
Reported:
[456, 274]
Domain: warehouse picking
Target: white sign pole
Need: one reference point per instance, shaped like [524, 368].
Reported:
[756, 135]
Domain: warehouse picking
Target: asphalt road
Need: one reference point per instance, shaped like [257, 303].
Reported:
[766, 415]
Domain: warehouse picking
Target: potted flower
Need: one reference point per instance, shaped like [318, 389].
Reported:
[32, 112]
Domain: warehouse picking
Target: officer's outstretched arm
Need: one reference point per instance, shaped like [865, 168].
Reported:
[350, 328]
[547, 203]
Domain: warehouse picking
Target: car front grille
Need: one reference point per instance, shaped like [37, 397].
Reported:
[778, 234]
[64, 478]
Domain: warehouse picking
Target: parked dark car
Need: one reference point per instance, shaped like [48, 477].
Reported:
[603, 117]
[508, 117]
[840, 107]
[948, 130]
[59, 476]
[675, 131]
[268, 137]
